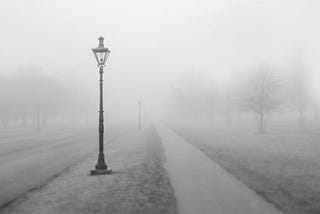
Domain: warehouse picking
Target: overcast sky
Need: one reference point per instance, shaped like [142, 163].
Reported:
[152, 42]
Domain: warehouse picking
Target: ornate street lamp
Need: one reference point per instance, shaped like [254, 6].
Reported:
[101, 54]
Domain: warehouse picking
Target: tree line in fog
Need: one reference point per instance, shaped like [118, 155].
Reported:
[261, 91]
[28, 96]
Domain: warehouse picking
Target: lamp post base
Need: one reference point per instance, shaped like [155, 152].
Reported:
[106, 171]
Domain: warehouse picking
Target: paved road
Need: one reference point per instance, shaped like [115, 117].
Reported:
[29, 159]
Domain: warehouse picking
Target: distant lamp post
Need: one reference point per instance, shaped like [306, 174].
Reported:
[38, 116]
[139, 106]
[101, 54]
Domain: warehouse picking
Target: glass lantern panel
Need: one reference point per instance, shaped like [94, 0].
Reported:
[101, 57]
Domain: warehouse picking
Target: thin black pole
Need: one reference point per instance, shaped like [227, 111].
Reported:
[228, 109]
[38, 117]
[101, 165]
[139, 114]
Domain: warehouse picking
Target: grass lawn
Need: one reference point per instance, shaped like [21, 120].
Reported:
[283, 165]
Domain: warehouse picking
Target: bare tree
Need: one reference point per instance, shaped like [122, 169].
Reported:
[24, 91]
[5, 101]
[261, 94]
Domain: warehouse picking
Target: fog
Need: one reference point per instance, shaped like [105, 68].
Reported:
[210, 106]
[156, 45]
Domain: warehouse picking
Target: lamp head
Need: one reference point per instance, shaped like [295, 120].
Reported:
[101, 53]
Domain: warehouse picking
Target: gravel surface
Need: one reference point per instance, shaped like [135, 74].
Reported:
[138, 184]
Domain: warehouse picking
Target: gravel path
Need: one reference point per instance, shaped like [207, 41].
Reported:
[139, 183]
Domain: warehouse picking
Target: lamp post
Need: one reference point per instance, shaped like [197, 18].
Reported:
[101, 54]
[38, 116]
[139, 103]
